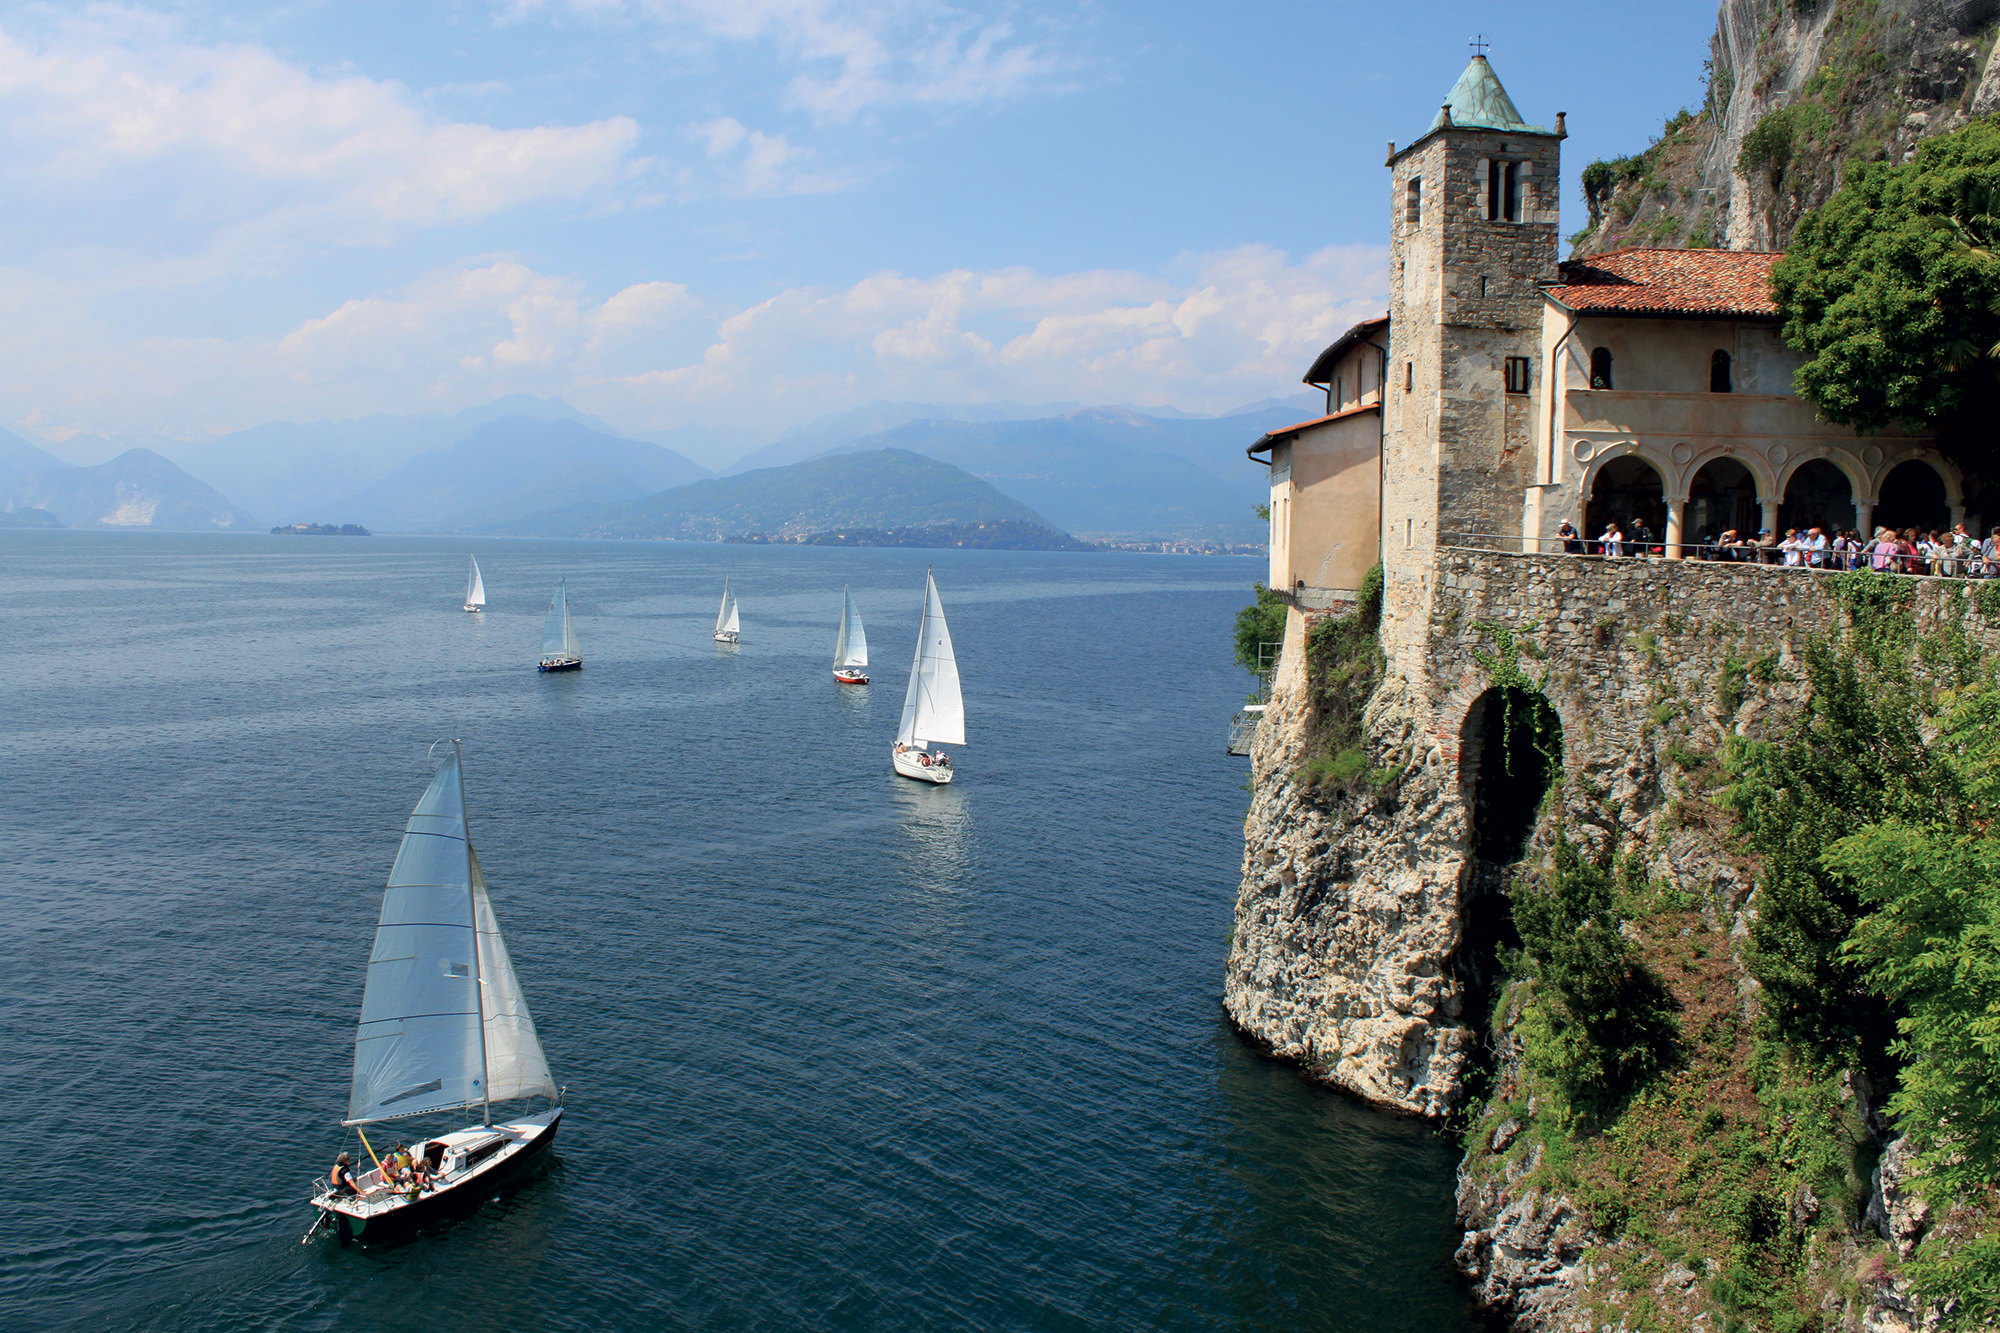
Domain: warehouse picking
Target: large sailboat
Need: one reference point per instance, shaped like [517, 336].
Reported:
[559, 647]
[933, 710]
[850, 650]
[475, 588]
[726, 624]
[444, 1028]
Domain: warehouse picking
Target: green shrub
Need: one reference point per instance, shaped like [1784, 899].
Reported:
[1261, 622]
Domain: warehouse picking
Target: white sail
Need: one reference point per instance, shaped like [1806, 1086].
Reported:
[730, 626]
[475, 587]
[722, 611]
[558, 634]
[851, 650]
[933, 709]
[515, 1065]
[417, 1048]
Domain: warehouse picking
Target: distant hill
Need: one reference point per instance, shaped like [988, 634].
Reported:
[290, 471]
[137, 489]
[881, 488]
[510, 468]
[28, 518]
[1109, 471]
[20, 460]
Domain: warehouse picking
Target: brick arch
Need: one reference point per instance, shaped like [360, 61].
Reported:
[1454, 715]
[1758, 467]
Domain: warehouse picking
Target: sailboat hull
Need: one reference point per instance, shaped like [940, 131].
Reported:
[379, 1221]
[851, 677]
[725, 636]
[560, 664]
[470, 607]
[910, 764]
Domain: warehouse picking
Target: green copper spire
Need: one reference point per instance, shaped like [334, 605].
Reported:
[1478, 102]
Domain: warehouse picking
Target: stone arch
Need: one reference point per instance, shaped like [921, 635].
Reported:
[1947, 471]
[1916, 492]
[1625, 481]
[1756, 464]
[1813, 493]
[1850, 467]
[1722, 494]
[1510, 754]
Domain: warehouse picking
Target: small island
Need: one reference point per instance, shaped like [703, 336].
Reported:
[321, 530]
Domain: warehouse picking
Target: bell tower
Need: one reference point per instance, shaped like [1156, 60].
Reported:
[1473, 216]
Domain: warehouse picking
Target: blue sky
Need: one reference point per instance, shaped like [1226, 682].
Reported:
[731, 213]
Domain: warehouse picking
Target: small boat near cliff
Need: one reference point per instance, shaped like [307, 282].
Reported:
[444, 1028]
[726, 623]
[933, 709]
[850, 650]
[559, 647]
[475, 588]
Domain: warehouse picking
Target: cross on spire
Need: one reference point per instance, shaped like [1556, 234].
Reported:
[1479, 44]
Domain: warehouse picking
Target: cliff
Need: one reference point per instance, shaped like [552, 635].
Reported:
[1740, 1186]
[1797, 92]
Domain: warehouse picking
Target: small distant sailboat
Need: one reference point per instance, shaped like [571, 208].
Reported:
[726, 624]
[559, 647]
[933, 710]
[444, 1027]
[475, 588]
[850, 651]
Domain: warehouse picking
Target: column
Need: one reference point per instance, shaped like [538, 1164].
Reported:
[1864, 516]
[1676, 516]
[1769, 508]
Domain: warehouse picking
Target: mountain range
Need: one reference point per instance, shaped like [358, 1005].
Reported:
[882, 488]
[137, 489]
[511, 467]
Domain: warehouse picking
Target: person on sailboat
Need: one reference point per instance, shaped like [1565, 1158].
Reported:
[342, 1176]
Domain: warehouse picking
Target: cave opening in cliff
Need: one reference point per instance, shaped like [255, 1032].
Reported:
[1510, 751]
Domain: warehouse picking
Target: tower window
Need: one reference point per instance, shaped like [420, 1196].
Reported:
[1517, 374]
[1409, 376]
[1600, 368]
[1503, 191]
[1413, 204]
[1718, 373]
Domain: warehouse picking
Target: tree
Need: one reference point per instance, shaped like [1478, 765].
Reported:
[1263, 621]
[1892, 288]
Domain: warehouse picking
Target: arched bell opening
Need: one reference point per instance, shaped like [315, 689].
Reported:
[1630, 490]
[1818, 495]
[1913, 496]
[1721, 498]
[1510, 754]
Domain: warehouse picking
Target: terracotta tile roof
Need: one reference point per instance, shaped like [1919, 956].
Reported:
[1670, 282]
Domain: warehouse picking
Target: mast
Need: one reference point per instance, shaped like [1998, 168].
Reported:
[478, 986]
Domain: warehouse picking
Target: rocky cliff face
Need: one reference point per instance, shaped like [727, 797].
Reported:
[1798, 92]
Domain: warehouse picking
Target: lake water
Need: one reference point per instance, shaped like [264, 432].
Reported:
[843, 1052]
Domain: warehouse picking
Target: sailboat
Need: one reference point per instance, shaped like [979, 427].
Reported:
[475, 588]
[850, 650]
[933, 710]
[559, 648]
[444, 1027]
[725, 616]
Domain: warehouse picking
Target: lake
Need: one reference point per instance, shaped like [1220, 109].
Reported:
[842, 1051]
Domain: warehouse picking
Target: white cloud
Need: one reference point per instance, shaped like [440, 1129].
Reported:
[751, 164]
[1229, 327]
[235, 151]
[854, 55]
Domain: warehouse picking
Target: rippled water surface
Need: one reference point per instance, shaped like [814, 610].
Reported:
[843, 1052]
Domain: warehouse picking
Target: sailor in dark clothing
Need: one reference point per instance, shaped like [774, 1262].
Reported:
[342, 1176]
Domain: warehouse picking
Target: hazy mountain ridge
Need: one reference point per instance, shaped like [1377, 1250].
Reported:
[883, 488]
[137, 489]
[510, 468]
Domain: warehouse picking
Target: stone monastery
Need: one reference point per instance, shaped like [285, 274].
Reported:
[1504, 392]
[1502, 395]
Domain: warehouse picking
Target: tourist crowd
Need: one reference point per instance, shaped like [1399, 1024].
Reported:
[1953, 554]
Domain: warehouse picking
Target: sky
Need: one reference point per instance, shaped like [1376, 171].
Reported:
[733, 214]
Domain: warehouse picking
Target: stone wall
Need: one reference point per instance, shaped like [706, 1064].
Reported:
[1346, 953]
